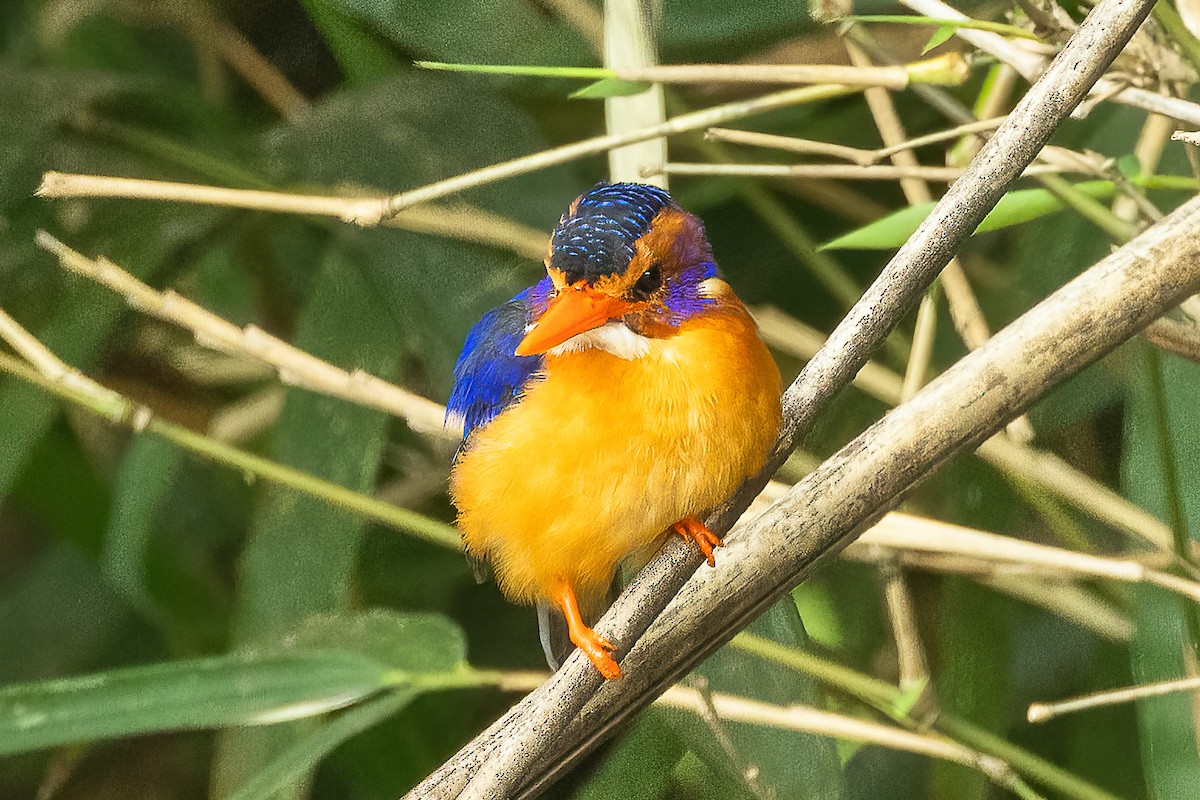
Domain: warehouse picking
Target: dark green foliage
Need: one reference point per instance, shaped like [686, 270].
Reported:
[157, 610]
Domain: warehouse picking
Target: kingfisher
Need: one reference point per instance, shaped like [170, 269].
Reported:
[612, 404]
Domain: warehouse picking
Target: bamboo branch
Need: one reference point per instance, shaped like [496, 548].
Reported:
[1041, 712]
[541, 736]
[455, 222]
[853, 154]
[371, 211]
[1176, 336]
[845, 172]
[900, 535]
[910, 651]
[683, 123]
[823, 723]
[256, 70]
[46, 371]
[949, 69]
[295, 367]
[629, 45]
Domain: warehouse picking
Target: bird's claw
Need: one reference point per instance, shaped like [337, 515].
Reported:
[597, 649]
[593, 645]
[693, 530]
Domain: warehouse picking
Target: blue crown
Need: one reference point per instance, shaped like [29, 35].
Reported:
[598, 238]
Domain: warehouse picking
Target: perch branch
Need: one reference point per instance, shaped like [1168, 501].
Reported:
[819, 516]
[531, 744]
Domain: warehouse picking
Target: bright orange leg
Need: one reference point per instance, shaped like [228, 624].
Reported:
[593, 645]
[693, 530]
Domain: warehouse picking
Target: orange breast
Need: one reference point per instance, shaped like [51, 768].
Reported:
[600, 457]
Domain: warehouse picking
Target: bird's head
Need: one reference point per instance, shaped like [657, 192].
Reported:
[626, 264]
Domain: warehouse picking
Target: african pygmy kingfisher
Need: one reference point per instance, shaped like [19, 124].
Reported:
[618, 400]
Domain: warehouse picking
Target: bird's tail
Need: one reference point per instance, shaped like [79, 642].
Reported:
[552, 625]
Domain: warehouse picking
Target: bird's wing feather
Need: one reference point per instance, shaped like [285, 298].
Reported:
[489, 375]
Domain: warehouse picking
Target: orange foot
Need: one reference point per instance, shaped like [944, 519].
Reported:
[693, 530]
[593, 645]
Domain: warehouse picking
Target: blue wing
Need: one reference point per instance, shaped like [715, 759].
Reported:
[489, 376]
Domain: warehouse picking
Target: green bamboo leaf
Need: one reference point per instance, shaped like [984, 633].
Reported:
[410, 643]
[471, 31]
[301, 555]
[1166, 726]
[144, 481]
[360, 54]
[424, 650]
[243, 689]
[940, 36]
[330, 662]
[609, 87]
[292, 766]
[1014, 208]
[606, 83]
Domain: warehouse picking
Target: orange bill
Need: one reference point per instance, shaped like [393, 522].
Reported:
[572, 311]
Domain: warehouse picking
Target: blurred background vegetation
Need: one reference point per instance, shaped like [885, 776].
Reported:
[229, 600]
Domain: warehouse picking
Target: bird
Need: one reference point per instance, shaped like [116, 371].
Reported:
[610, 405]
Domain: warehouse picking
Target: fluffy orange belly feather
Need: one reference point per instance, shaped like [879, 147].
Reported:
[602, 455]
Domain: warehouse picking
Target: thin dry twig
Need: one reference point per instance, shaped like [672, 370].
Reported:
[845, 172]
[1042, 712]
[458, 221]
[256, 70]
[853, 154]
[914, 667]
[44, 369]
[898, 536]
[374, 211]
[823, 723]
[295, 367]
[706, 709]
[1181, 337]
[683, 123]
[583, 17]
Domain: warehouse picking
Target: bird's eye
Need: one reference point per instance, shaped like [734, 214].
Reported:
[648, 283]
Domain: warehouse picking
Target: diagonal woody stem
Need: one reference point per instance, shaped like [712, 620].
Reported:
[542, 736]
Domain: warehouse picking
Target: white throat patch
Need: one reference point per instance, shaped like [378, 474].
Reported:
[611, 337]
